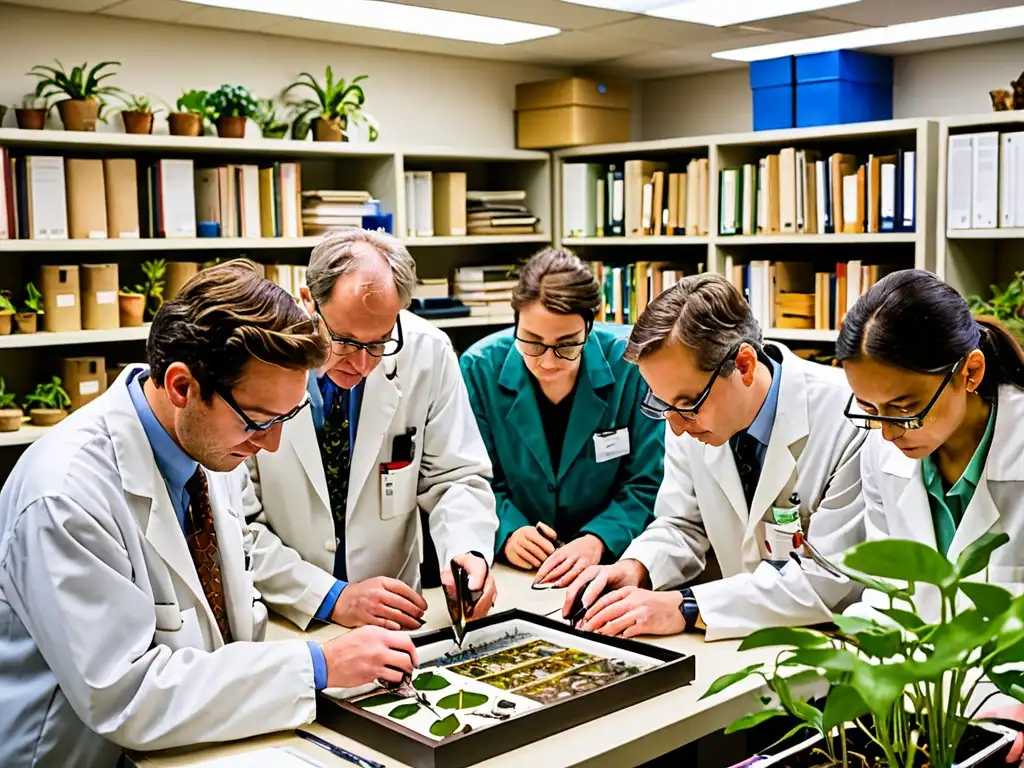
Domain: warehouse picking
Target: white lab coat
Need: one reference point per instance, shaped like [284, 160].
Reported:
[449, 477]
[106, 638]
[813, 450]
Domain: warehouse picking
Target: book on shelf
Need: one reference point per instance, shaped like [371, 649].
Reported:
[637, 198]
[486, 290]
[985, 180]
[336, 210]
[805, 192]
[502, 212]
[627, 289]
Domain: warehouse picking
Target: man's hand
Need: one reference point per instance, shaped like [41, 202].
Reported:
[480, 577]
[632, 611]
[367, 654]
[381, 602]
[1009, 712]
[625, 573]
[527, 547]
[569, 561]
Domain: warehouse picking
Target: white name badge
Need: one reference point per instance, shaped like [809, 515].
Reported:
[611, 445]
[387, 494]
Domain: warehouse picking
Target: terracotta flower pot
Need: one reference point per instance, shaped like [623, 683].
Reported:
[79, 114]
[327, 130]
[6, 323]
[10, 419]
[185, 124]
[137, 122]
[230, 127]
[131, 307]
[28, 322]
[31, 119]
[47, 417]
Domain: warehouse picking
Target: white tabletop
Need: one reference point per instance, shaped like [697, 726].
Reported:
[630, 736]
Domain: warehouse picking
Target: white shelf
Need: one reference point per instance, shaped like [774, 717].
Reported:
[1016, 233]
[55, 339]
[800, 334]
[156, 244]
[867, 237]
[466, 322]
[475, 240]
[648, 240]
[24, 436]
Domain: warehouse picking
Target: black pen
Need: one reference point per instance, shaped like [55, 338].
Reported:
[344, 754]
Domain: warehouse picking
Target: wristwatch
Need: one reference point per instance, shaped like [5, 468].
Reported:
[688, 608]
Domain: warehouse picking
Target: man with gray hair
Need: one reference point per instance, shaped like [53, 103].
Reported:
[390, 432]
[759, 458]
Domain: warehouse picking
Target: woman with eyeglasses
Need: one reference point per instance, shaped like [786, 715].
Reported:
[576, 464]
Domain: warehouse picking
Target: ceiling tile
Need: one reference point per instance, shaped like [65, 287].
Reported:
[663, 63]
[676, 34]
[583, 46]
[239, 21]
[884, 12]
[803, 26]
[75, 6]
[153, 10]
[554, 13]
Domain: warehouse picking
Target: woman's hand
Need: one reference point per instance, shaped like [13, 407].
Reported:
[527, 548]
[569, 561]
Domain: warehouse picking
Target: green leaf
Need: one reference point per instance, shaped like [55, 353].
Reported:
[901, 559]
[882, 644]
[379, 700]
[1011, 683]
[976, 555]
[844, 704]
[990, 600]
[791, 636]
[462, 700]
[880, 685]
[445, 727]
[853, 625]
[961, 635]
[906, 619]
[830, 659]
[725, 681]
[403, 711]
[751, 721]
[800, 709]
[428, 681]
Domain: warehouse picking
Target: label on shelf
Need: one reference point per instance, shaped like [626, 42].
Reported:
[89, 388]
[65, 299]
[97, 235]
[106, 297]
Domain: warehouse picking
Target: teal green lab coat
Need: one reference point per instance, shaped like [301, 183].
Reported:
[613, 500]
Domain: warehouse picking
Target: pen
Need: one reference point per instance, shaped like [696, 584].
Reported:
[344, 754]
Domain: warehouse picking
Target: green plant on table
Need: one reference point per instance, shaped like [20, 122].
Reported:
[31, 101]
[142, 103]
[332, 100]
[6, 305]
[908, 685]
[80, 83]
[231, 101]
[155, 272]
[7, 399]
[33, 300]
[272, 122]
[49, 395]
[194, 102]
[1006, 305]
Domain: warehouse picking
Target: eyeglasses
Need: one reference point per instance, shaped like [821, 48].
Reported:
[343, 347]
[874, 421]
[566, 350]
[654, 408]
[261, 426]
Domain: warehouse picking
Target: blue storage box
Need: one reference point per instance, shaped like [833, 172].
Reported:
[772, 83]
[842, 87]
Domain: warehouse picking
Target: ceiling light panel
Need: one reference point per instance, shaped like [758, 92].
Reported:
[725, 13]
[394, 17]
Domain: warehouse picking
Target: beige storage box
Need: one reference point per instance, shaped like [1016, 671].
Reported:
[85, 379]
[571, 112]
[99, 297]
[62, 299]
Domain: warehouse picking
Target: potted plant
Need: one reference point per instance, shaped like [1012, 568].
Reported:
[138, 114]
[230, 106]
[86, 96]
[7, 311]
[28, 318]
[31, 115]
[192, 111]
[48, 404]
[902, 690]
[11, 415]
[155, 273]
[272, 124]
[131, 305]
[3, 114]
[1006, 305]
[333, 108]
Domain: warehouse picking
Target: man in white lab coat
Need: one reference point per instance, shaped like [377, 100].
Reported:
[390, 432]
[128, 617]
[759, 455]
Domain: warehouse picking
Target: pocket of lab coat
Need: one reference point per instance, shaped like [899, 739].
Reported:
[187, 634]
[398, 491]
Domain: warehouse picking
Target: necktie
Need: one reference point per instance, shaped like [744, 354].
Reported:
[202, 544]
[336, 454]
[745, 451]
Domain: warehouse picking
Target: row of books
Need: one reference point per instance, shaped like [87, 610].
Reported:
[637, 198]
[798, 191]
[486, 290]
[627, 289]
[985, 180]
[440, 204]
[335, 210]
[291, 277]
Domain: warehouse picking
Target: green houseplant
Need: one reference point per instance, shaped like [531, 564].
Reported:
[230, 106]
[155, 273]
[901, 689]
[32, 307]
[191, 113]
[48, 404]
[1006, 305]
[11, 415]
[83, 89]
[7, 311]
[138, 114]
[334, 107]
[272, 122]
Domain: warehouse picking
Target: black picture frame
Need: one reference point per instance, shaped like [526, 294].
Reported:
[465, 749]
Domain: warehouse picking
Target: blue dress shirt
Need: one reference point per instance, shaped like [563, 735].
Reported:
[176, 468]
[761, 428]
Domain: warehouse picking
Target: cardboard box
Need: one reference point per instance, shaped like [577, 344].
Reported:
[571, 112]
[178, 273]
[85, 379]
[99, 297]
[62, 298]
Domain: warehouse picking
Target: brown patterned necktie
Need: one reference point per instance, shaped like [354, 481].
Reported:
[202, 544]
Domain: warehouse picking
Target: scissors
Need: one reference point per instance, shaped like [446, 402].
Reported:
[462, 603]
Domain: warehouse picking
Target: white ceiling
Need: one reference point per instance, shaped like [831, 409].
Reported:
[592, 39]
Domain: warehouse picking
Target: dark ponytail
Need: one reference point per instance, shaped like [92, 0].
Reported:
[912, 320]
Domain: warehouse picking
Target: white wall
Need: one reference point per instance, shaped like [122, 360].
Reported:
[936, 84]
[418, 98]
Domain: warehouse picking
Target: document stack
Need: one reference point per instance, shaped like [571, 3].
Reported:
[499, 213]
[335, 210]
[487, 291]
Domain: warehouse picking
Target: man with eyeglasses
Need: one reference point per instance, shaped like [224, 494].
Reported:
[758, 458]
[389, 434]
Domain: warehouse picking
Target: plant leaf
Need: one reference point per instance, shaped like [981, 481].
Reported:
[428, 681]
[990, 600]
[793, 636]
[462, 700]
[751, 721]
[880, 685]
[379, 700]
[800, 709]
[844, 704]
[1011, 683]
[906, 619]
[976, 555]
[403, 711]
[725, 681]
[445, 727]
[901, 559]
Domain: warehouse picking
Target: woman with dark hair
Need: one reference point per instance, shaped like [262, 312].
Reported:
[574, 459]
[945, 390]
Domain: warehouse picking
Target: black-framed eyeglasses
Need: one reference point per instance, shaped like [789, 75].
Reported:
[655, 408]
[343, 346]
[864, 420]
[260, 426]
[566, 350]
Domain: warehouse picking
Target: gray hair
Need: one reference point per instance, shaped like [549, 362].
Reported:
[704, 312]
[334, 257]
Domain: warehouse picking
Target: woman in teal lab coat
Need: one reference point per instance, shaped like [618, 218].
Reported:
[575, 460]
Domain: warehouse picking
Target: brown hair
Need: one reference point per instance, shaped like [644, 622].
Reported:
[224, 317]
[561, 282]
[704, 312]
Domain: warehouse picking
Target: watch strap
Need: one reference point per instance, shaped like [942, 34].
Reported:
[688, 607]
